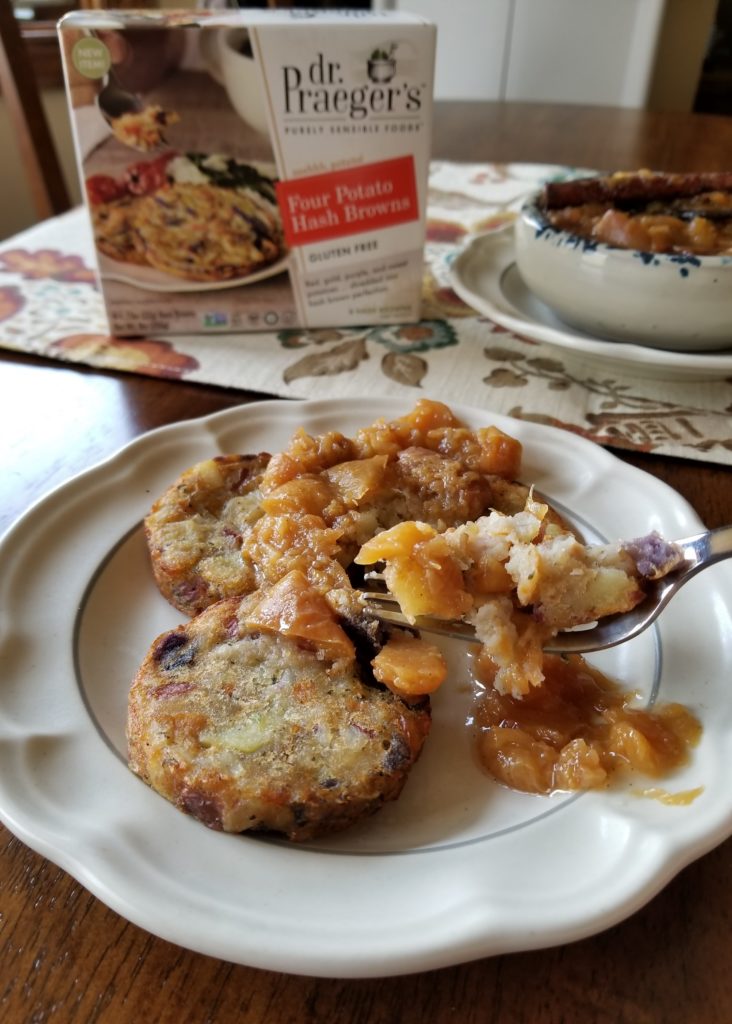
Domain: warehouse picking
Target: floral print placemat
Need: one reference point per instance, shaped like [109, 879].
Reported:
[50, 305]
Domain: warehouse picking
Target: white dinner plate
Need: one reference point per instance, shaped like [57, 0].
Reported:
[152, 280]
[485, 275]
[459, 867]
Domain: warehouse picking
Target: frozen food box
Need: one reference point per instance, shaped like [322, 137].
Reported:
[253, 170]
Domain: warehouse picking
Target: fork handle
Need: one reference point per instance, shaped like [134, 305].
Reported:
[703, 550]
[719, 545]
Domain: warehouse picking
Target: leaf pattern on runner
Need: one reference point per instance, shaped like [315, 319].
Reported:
[400, 364]
[341, 358]
[405, 368]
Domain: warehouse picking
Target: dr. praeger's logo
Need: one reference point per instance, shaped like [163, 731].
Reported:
[321, 88]
[381, 64]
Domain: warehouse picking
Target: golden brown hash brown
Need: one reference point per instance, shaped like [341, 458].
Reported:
[249, 730]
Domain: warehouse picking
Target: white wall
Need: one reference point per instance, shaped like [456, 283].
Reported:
[611, 52]
[587, 51]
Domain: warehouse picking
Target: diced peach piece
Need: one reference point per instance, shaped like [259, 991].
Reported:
[429, 582]
[410, 666]
[294, 608]
[651, 742]
[420, 570]
[618, 228]
[425, 416]
[485, 450]
[315, 453]
[397, 542]
[487, 576]
[280, 469]
[277, 544]
[517, 759]
[579, 766]
[703, 234]
[305, 454]
[378, 439]
[501, 453]
[308, 494]
[357, 479]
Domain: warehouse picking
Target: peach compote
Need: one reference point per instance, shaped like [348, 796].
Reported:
[324, 496]
[285, 528]
[294, 608]
[575, 731]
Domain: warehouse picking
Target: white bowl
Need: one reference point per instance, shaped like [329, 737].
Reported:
[232, 65]
[667, 301]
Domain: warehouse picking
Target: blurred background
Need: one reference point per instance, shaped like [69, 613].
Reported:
[654, 54]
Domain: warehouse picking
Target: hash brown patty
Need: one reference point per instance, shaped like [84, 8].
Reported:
[195, 530]
[248, 730]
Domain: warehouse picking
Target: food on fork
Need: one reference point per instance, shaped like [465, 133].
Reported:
[143, 129]
[518, 579]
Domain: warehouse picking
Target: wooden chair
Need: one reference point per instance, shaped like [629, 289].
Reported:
[22, 98]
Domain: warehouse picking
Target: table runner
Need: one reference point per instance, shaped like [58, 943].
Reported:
[50, 306]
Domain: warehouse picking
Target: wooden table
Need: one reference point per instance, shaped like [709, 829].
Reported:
[66, 957]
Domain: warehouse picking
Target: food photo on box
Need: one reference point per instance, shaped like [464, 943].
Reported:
[250, 170]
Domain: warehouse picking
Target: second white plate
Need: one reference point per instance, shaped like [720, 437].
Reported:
[485, 276]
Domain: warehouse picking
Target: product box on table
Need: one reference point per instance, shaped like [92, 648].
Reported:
[270, 171]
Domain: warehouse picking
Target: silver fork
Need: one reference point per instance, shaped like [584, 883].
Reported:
[699, 551]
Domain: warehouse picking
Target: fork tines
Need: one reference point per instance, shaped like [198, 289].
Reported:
[384, 607]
